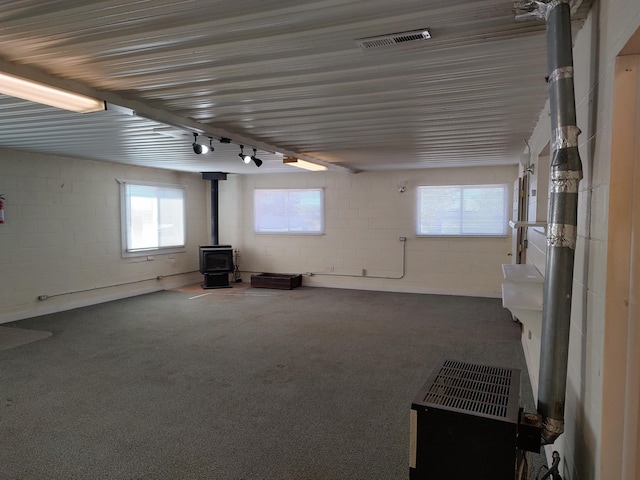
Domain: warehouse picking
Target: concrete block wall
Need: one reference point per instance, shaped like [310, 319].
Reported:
[62, 234]
[609, 26]
[365, 215]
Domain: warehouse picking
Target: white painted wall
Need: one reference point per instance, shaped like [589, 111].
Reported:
[610, 25]
[62, 234]
[365, 216]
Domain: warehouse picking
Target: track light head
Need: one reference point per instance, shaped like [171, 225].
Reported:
[255, 159]
[197, 148]
[201, 149]
[245, 158]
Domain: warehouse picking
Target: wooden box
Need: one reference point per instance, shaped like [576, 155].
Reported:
[282, 281]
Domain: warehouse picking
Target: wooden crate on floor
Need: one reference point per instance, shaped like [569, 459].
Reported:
[282, 281]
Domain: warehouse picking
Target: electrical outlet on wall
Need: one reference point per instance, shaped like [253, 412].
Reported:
[331, 268]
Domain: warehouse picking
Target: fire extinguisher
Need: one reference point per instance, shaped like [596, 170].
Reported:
[1, 208]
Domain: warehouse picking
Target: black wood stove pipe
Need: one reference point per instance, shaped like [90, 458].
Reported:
[214, 177]
[215, 240]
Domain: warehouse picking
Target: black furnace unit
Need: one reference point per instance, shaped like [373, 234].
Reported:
[464, 423]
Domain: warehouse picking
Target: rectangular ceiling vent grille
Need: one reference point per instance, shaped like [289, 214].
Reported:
[472, 388]
[393, 39]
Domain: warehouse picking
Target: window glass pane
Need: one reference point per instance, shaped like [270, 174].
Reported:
[440, 211]
[462, 210]
[143, 218]
[170, 217]
[483, 211]
[154, 217]
[288, 211]
[270, 211]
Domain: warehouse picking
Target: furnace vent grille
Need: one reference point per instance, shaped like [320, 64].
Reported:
[472, 388]
[393, 39]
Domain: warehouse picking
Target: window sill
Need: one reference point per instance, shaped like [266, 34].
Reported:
[153, 252]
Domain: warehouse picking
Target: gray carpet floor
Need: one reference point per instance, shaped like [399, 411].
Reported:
[236, 384]
[11, 337]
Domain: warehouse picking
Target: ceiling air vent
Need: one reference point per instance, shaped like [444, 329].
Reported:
[393, 39]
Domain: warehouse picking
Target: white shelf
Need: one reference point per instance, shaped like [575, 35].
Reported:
[522, 272]
[532, 319]
[524, 301]
[514, 224]
[522, 294]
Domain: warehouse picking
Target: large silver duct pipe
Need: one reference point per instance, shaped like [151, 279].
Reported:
[566, 173]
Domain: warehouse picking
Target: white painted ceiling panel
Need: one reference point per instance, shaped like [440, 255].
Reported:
[281, 76]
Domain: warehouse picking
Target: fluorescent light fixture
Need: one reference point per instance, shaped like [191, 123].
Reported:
[41, 93]
[296, 162]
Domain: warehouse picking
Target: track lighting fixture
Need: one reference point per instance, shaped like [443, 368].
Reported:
[245, 158]
[255, 159]
[200, 149]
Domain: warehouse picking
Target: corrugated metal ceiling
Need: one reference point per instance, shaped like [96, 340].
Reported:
[282, 76]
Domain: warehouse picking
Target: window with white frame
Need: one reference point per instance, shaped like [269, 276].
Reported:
[291, 211]
[462, 210]
[153, 218]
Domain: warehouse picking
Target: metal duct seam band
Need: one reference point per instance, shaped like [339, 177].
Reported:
[553, 4]
[561, 235]
[565, 137]
[565, 181]
[561, 73]
[541, 9]
[554, 426]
